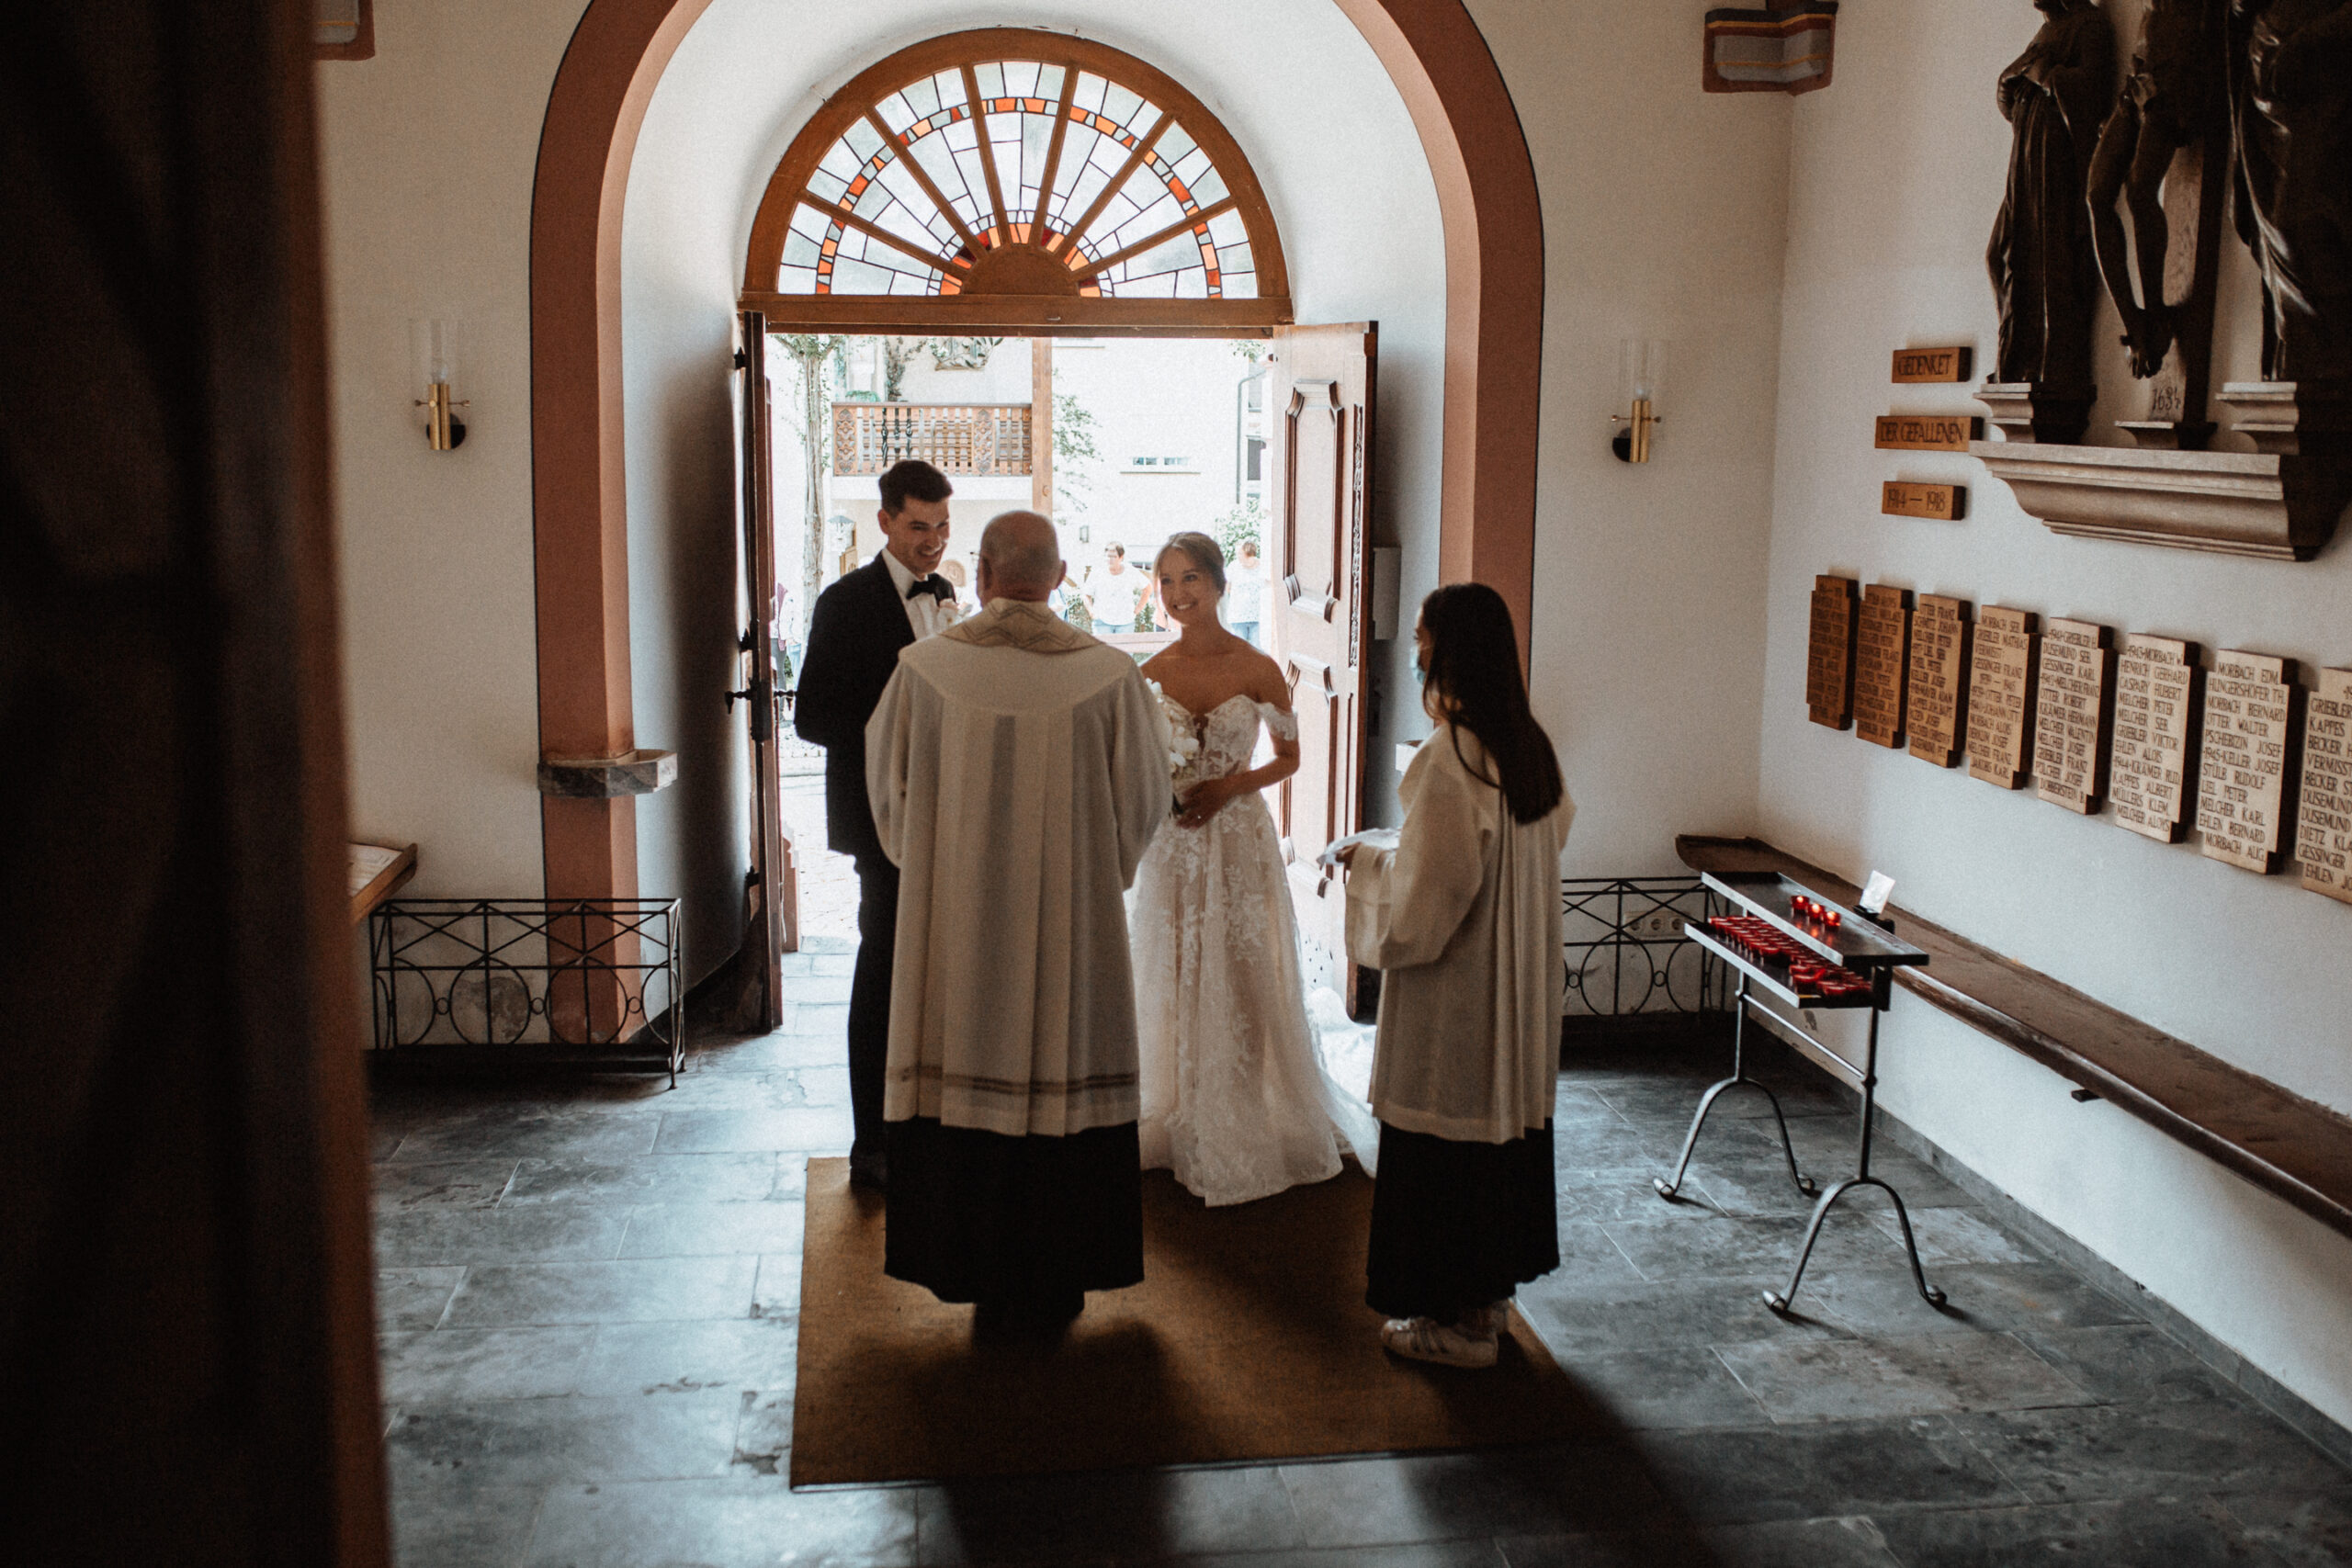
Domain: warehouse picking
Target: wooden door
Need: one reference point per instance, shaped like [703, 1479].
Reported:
[772, 910]
[1321, 560]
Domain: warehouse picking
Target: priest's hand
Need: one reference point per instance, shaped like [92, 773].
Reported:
[1206, 799]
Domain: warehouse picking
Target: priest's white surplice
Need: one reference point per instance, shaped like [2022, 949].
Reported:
[1018, 768]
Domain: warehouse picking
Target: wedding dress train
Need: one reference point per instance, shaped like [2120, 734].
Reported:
[1235, 1099]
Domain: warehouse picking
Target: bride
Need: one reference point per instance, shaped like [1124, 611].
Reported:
[1234, 1098]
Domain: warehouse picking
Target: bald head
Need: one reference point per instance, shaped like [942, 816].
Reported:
[1020, 558]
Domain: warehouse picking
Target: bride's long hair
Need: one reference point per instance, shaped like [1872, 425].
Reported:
[1473, 684]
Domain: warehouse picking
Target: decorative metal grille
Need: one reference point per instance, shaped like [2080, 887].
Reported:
[595, 982]
[955, 438]
[1625, 955]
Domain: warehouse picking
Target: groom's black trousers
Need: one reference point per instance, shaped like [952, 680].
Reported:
[869, 1008]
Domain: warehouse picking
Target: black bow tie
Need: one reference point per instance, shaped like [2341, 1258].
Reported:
[935, 585]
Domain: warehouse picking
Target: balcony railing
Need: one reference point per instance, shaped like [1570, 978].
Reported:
[955, 438]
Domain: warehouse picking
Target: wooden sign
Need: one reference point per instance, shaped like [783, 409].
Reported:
[1928, 431]
[2246, 788]
[2071, 715]
[1914, 364]
[1947, 503]
[2002, 668]
[1829, 653]
[2323, 828]
[1937, 710]
[2152, 775]
[1881, 660]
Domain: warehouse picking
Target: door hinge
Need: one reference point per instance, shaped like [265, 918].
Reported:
[742, 360]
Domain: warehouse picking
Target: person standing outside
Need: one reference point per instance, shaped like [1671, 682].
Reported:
[862, 622]
[1115, 596]
[1248, 594]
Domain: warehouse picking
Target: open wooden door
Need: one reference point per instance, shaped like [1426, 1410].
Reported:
[1320, 556]
[771, 908]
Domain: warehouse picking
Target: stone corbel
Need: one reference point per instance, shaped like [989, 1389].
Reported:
[603, 778]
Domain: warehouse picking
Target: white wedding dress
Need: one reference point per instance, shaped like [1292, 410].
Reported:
[1235, 1099]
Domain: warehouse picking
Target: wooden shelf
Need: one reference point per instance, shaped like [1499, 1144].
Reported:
[377, 872]
[2288, 1147]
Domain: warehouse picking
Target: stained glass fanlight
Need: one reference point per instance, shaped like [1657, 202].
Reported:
[1077, 173]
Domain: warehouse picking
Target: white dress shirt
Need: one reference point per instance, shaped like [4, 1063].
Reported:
[929, 616]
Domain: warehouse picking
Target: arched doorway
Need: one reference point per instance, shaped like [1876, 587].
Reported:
[1485, 188]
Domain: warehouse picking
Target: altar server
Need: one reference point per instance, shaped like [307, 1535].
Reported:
[1017, 768]
[1463, 918]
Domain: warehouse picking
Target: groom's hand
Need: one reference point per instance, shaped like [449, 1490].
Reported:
[1203, 801]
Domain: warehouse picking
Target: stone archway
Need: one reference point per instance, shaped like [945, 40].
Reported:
[1488, 201]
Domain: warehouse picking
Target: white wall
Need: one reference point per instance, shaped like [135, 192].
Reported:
[1896, 173]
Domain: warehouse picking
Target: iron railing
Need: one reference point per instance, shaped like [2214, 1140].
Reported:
[589, 982]
[955, 438]
[1625, 955]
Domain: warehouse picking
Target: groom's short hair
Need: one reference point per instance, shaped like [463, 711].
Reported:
[1022, 550]
[912, 478]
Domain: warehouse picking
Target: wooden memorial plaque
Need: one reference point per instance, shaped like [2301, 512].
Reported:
[1881, 660]
[2071, 715]
[1829, 653]
[2002, 668]
[2324, 829]
[2246, 786]
[1937, 707]
[1916, 364]
[1946, 503]
[1928, 431]
[2152, 773]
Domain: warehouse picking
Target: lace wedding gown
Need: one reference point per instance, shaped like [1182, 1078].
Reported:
[1235, 1099]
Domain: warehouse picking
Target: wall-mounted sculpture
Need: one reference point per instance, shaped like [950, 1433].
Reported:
[2292, 98]
[2045, 274]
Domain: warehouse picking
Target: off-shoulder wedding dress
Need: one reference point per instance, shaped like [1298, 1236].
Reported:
[1235, 1099]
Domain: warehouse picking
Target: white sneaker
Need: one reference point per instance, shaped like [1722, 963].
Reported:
[1426, 1339]
[1488, 1322]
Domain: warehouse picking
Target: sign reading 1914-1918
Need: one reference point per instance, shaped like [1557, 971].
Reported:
[2150, 777]
[2001, 670]
[1882, 657]
[2323, 831]
[1829, 653]
[1936, 709]
[2241, 797]
[2070, 720]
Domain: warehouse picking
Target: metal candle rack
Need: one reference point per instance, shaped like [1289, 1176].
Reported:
[1791, 944]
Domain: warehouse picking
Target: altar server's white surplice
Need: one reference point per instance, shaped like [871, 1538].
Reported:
[1018, 768]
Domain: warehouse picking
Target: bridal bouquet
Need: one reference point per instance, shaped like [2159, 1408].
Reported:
[1183, 745]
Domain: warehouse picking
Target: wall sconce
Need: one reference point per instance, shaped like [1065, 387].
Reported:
[434, 346]
[1639, 363]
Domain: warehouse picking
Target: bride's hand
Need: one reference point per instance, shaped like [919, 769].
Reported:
[1203, 801]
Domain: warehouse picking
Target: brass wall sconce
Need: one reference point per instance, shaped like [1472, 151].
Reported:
[1639, 363]
[434, 346]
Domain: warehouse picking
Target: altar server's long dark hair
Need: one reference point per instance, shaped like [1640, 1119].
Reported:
[1473, 684]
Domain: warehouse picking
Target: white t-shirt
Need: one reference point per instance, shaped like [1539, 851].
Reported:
[1245, 594]
[1115, 598]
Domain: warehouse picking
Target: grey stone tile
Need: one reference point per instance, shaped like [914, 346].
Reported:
[2302, 1530]
[683, 1358]
[440, 1522]
[1625, 1193]
[1604, 1145]
[569, 1234]
[2132, 1363]
[1837, 1380]
[742, 1521]
[520, 1132]
[826, 1086]
[686, 1230]
[1134, 1515]
[1956, 1235]
[518, 1441]
[1651, 1103]
[764, 1433]
[2176, 1534]
[627, 1290]
[708, 1131]
[453, 1365]
[1833, 1470]
[1746, 1183]
[458, 1184]
[412, 1298]
[652, 1178]
[384, 1139]
[1549, 1491]
[780, 1051]
[1798, 1543]
[2180, 1447]
[1978, 1298]
[1740, 1248]
[1669, 1386]
[777, 1293]
[1597, 1320]
[1422, 1554]
[1588, 1257]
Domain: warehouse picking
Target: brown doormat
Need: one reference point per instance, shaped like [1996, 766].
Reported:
[1249, 1339]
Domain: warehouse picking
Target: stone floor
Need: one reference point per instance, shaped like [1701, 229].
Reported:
[589, 1295]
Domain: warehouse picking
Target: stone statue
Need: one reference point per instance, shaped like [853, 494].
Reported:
[2290, 97]
[2045, 277]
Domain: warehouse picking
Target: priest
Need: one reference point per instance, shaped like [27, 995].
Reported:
[1017, 768]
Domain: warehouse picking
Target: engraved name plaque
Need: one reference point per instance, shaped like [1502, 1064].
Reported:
[1829, 653]
[1928, 431]
[2245, 789]
[2001, 670]
[2071, 716]
[1882, 657]
[1936, 705]
[1946, 503]
[1914, 364]
[2153, 768]
[2324, 829]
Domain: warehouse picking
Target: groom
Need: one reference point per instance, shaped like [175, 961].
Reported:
[1017, 768]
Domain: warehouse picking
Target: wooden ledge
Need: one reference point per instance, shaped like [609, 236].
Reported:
[2292, 1147]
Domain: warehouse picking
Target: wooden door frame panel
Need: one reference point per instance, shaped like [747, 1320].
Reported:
[1321, 602]
[1487, 203]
